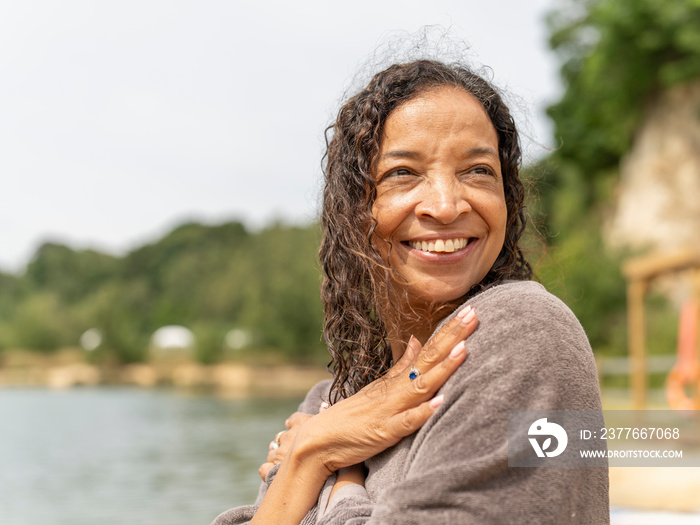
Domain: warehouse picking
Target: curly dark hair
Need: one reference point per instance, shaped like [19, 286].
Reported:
[355, 275]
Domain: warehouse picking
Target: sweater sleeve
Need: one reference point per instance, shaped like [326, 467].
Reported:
[529, 352]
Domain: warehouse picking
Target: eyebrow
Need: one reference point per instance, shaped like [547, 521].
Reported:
[407, 154]
[400, 154]
[482, 151]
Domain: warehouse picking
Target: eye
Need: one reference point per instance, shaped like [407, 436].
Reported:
[400, 172]
[397, 173]
[482, 170]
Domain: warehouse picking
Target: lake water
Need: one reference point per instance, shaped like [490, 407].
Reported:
[130, 456]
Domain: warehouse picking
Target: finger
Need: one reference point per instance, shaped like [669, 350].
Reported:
[413, 348]
[271, 456]
[426, 384]
[408, 421]
[297, 418]
[264, 469]
[441, 344]
[278, 436]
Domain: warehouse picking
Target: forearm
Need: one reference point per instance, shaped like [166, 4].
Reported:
[293, 492]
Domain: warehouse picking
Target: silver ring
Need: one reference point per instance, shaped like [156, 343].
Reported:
[278, 436]
[413, 374]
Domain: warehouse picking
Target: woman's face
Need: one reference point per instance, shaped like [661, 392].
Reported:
[440, 200]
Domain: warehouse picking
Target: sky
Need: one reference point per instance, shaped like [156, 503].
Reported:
[122, 119]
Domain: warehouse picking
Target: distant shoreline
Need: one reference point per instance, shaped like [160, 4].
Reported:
[233, 379]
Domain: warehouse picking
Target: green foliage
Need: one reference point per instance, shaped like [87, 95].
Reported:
[42, 323]
[120, 310]
[67, 273]
[208, 278]
[9, 298]
[579, 271]
[617, 54]
[284, 289]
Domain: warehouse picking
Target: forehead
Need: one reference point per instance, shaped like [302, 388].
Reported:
[444, 109]
[440, 119]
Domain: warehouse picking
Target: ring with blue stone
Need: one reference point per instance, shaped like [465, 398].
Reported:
[413, 374]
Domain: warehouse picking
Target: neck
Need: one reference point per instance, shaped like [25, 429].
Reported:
[400, 328]
[410, 317]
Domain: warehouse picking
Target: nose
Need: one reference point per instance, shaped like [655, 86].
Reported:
[443, 199]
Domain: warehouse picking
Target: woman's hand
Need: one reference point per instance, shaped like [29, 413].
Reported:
[392, 407]
[359, 427]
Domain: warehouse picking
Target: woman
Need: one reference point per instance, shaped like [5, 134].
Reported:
[422, 213]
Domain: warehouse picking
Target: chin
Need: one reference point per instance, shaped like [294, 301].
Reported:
[436, 295]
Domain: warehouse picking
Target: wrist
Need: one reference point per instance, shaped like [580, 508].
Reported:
[306, 462]
[310, 452]
[293, 492]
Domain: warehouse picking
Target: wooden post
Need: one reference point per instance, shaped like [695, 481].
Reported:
[639, 272]
[636, 290]
[695, 280]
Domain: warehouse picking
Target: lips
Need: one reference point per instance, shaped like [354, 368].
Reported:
[440, 245]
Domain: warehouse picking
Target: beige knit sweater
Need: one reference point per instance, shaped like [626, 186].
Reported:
[528, 353]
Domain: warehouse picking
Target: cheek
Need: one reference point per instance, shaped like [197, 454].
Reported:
[501, 226]
[381, 230]
[502, 218]
[384, 212]
[496, 215]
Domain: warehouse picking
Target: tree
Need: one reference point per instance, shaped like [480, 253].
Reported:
[617, 55]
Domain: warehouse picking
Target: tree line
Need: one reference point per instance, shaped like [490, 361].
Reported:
[210, 279]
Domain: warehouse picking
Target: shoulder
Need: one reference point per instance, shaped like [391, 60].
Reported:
[517, 313]
[522, 311]
[531, 348]
[522, 302]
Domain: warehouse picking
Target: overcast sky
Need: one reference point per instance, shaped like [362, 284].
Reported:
[121, 119]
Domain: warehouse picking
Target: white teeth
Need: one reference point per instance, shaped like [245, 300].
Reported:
[440, 245]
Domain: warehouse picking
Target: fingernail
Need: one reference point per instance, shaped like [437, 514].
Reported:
[463, 312]
[437, 401]
[466, 315]
[458, 350]
[469, 315]
[273, 445]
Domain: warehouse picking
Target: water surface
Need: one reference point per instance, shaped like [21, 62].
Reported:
[130, 456]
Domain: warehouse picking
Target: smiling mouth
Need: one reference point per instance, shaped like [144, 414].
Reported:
[440, 245]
